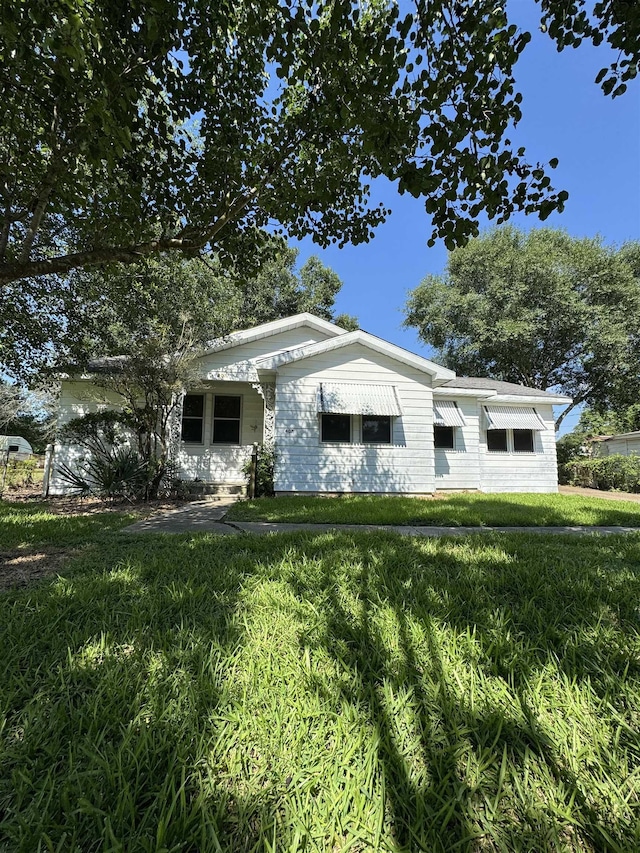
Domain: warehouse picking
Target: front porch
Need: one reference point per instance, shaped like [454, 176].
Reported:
[219, 423]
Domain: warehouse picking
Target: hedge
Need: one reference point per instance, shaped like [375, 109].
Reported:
[607, 472]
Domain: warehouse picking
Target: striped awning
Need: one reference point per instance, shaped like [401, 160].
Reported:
[447, 413]
[510, 417]
[346, 398]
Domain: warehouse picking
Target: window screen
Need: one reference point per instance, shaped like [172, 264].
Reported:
[443, 437]
[376, 429]
[497, 440]
[192, 418]
[336, 427]
[226, 419]
[523, 441]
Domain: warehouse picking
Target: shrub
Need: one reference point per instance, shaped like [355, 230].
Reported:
[569, 449]
[264, 471]
[606, 473]
[112, 468]
[116, 472]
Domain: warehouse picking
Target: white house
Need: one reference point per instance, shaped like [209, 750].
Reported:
[625, 443]
[348, 412]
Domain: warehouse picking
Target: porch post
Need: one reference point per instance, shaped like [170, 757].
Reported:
[267, 391]
[175, 436]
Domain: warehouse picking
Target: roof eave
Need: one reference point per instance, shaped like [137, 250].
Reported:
[267, 330]
[371, 342]
[539, 399]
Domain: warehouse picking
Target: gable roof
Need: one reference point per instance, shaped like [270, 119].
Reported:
[440, 374]
[266, 330]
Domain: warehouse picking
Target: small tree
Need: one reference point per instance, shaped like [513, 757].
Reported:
[149, 322]
[148, 383]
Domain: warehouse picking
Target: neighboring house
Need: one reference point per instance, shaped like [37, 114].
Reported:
[14, 447]
[348, 412]
[626, 444]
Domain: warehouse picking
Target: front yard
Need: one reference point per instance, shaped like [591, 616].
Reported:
[320, 692]
[456, 510]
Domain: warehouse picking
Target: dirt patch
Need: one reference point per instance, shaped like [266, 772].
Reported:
[23, 566]
[69, 505]
[598, 493]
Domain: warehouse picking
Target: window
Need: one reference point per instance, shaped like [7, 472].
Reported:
[523, 441]
[376, 429]
[192, 418]
[336, 428]
[226, 420]
[443, 437]
[497, 440]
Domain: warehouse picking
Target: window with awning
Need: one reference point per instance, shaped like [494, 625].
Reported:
[510, 417]
[346, 398]
[447, 414]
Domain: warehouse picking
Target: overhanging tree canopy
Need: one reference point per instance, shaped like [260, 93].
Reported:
[173, 301]
[129, 128]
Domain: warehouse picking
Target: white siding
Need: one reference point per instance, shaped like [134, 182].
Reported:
[218, 463]
[624, 446]
[460, 468]
[212, 463]
[77, 398]
[236, 363]
[305, 464]
[521, 472]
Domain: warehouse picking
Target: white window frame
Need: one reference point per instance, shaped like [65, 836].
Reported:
[237, 443]
[377, 443]
[454, 434]
[510, 450]
[332, 442]
[201, 418]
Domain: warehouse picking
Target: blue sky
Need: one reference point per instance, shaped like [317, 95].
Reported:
[565, 115]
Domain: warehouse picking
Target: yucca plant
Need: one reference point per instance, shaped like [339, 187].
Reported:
[117, 472]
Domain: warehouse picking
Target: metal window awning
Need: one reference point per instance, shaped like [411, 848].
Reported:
[447, 413]
[346, 398]
[509, 417]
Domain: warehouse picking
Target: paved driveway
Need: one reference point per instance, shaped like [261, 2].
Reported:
[596, 493]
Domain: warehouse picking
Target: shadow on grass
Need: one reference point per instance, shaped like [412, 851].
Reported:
[495, 680]
[520, 624]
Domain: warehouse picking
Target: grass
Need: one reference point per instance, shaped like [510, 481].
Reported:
[325, 692]
[24, 524]
[460, 510]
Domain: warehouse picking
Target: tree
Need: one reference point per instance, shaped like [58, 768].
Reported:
[105, 311]
[541, 309]
[130, 129]
[139, 329]
[29, 414]
[609, 422]
[278, 290]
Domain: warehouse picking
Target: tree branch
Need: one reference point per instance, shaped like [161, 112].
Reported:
[188, 240]
[576, 402]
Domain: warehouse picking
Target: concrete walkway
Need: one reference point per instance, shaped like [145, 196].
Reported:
[408, 530]
[208, 517]
[196, 517]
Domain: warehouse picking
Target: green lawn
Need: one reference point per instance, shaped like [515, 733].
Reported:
[460, 510]
[23, 524]
[325, 692]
